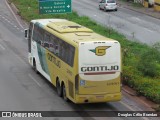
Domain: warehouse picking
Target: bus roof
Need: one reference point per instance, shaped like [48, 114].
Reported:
[69, 30]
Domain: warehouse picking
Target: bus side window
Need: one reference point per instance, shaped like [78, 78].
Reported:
[40, 36]
[63, 51]
[56, 50]
[47, 40]
[57, 47]
[39, 42]
[71, 55]
[30, 31]
[51, 48]
[67, 52]
[35, 33]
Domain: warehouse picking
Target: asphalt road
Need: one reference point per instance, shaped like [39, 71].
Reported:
[21, 89]
[135, 26]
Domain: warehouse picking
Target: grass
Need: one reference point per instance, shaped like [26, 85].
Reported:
[141, 63]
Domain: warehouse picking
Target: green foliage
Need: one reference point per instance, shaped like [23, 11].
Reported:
[157, 46]
[128, 75]
[141, 63]
[149, 63]
[149, 88]
[137, 5]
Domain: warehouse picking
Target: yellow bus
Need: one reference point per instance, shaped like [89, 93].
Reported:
[84, 66]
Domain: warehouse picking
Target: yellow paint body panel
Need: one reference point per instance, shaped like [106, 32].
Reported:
[157, 5]
[93, 87]
[67, 27]
[98, 98]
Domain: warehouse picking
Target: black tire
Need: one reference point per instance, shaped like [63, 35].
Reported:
[58, 87]
[35, 67]
[116, 9]
[99, 8]
[64, 93]
[150, 5]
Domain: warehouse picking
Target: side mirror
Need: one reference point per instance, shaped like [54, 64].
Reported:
[26, 33]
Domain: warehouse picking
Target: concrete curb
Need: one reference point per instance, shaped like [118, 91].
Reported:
[129, 92]
[142, 12]
[125, 5]
[15, 11]
[14, 8]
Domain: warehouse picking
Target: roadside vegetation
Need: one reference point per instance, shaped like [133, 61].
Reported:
[134, 4]
[141, 63]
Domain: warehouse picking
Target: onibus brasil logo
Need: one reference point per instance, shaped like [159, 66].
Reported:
[100, 50]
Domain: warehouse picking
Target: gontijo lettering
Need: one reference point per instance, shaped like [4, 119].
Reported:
[100, 68]
[54, 60]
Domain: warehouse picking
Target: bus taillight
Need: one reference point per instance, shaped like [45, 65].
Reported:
[76, 83]
[121, 84]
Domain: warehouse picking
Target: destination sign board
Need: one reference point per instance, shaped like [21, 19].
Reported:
[54, 6]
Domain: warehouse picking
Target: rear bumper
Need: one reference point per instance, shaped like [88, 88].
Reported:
[111, 7]
[98, 98]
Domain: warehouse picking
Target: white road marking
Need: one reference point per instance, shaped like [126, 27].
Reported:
[21, 59]
[148, 30]
[34, 80]
[2, 47]
[8, 20]
[14, 15]
[136, 18]
[127, 106]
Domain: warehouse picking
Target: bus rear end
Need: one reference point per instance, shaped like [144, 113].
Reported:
[99, 72]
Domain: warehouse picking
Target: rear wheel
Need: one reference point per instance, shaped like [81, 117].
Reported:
[99, 7]
[64, 93]
[104, 9]
[58, 87]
